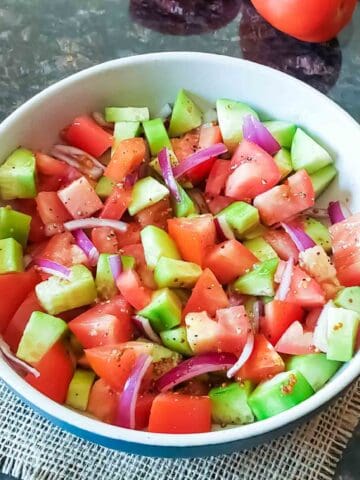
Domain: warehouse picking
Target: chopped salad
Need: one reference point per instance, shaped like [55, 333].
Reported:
[173, 273]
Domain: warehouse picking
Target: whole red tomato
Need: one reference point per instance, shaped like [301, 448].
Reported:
[307, 20]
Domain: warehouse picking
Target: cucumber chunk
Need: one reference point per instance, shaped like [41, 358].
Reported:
[146, 192]
[229, 404]
[260, 281]
[308, 154]
[185, 115]
[17, 175]
[11, 256]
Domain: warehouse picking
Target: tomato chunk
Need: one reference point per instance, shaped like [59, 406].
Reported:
[278, 317]
[254, 172]
[80, 199]
[346, 251]
[128, 155]
[114, 363]
[282, 244]
[50, 209]
[86, 134]
[228, 260]
[207, 295]
[217, 178]
[105, 239]
[157, 214]
[304, 290]
[62, 249]
[177, 413]
[283, 201]
[105, 323]
[15, 328]
[295, 341]
[133, 290]
[117, 203]
[14, 288]
[263, 363]
[192, 236]
[56, 371]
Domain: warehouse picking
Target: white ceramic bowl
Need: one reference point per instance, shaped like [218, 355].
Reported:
[154, 80]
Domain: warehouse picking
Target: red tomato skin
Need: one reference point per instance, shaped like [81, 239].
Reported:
[157, 214]
[131, 236]
[282, 244]
[50, 209]
[105, 239]
[59, 171]
[117, 203]
[86, 134]
[209, 135]
[304, 290]
[219, 173]
[278, 317]
[254, 171]
[61, 249]
[207, 295]
[346, 252]
[218, 203]
[112, 363]
[307, 20]
[263, 363]
[177, 413]
[192, 236]
[14, 288]
[127, 157]
[104, 324]
[295, 341]
[132, 289]
[234, 329]
[15, 329]
[284, 201]
[103, 402]
[228, 260]
[56, 371]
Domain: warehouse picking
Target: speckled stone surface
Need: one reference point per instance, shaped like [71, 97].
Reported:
[42, 41]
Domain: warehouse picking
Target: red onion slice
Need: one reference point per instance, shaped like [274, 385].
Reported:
[223, 229]
[86, 245]
[93, 222]
[338, 212]
[245, 354]
[167, 173]
[100, 120]
[128, 398]
[115, 266]
[83, 162]
[254, 131]
[144, 325]
[298, 236]
[285, 282]
[198, 158]
[53, 268]
[205, 363]
[12, 359]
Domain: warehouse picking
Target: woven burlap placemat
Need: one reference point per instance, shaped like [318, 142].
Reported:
[31, 448]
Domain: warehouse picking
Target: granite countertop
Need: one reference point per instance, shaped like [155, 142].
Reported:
[42, 41]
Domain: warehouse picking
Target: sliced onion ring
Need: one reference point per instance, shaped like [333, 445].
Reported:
[127, 401]
[144, 325]
[86, 245]
[115, 266]
[167, 173]
[93, 222]
[205, 363]
[298, 236]
[12, 359]
[254, 131]
[100, 120]
[245, 354]
[338, 212]
[53, 268]
[285, 282]
[198, 158]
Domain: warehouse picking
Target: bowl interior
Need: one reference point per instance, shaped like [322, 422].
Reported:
[154, 80]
